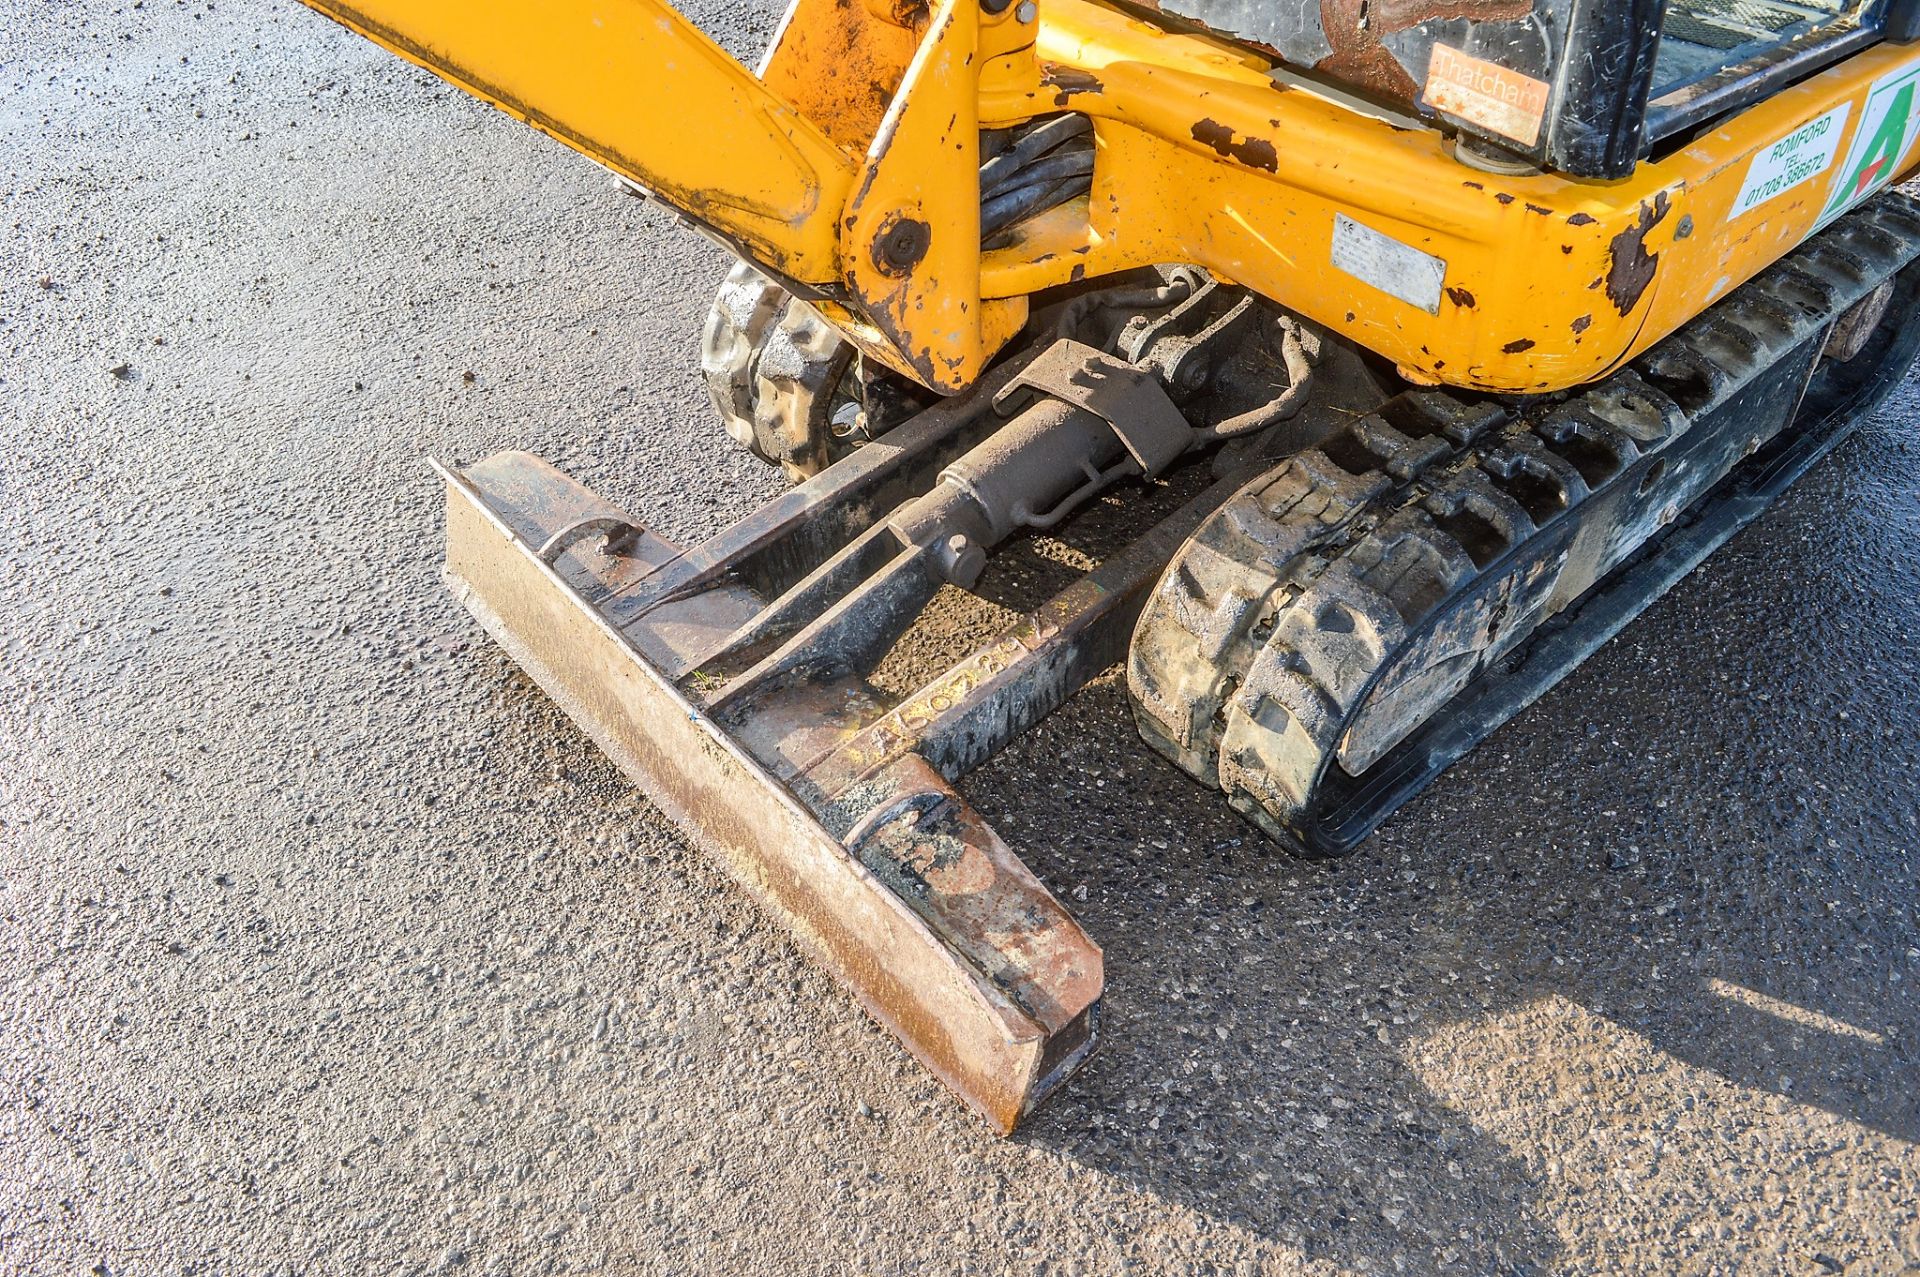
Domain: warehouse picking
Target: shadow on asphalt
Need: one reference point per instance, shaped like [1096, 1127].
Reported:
[1698, 838]
[1301, 1123]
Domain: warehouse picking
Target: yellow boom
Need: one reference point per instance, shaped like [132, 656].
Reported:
[639, 88]
[849, 169]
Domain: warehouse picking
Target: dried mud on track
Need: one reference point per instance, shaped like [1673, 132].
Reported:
[329, 945]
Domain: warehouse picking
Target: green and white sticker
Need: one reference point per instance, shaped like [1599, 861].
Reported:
[1885, 135]
[1800, 156]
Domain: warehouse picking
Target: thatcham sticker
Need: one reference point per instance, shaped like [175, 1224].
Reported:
[1396, 269]
[1498, 99]
[1800, 156]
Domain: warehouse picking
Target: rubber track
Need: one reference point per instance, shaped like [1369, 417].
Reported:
[1338, 601]
[771, 364]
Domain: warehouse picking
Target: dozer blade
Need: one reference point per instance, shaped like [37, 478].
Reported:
[830, 801]
[984, 976]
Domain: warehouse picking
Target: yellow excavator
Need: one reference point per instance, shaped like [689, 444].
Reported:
[1428, 342]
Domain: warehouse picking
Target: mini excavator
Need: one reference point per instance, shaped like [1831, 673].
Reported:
[1419, 345]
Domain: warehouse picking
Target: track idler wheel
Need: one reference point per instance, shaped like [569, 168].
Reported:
[776, 372]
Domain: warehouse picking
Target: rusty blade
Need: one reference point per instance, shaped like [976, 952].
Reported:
[955, 948]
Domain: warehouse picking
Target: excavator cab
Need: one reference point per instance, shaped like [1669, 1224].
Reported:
[1425, 344]
[1588, 88]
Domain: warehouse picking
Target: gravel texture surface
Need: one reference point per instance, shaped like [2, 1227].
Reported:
[330, 946]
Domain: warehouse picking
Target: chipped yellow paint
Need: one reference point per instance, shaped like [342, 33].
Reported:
[919, 193]
[1550, 281]
[636, 86]
[1202, 157]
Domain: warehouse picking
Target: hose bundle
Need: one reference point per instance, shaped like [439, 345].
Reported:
[1027, 171]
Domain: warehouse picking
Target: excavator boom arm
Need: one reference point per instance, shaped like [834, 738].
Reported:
[636, 86]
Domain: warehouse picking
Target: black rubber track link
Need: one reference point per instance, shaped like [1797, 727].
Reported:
[1353, 621]
[771, 365]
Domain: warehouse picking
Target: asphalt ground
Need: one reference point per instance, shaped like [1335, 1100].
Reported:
[330, 946]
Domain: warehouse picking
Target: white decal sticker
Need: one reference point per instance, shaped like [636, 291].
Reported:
[1800, 156]
[1881, 142]
[1396, 269]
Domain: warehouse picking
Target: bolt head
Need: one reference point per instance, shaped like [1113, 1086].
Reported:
[900, 245]
[965, 560]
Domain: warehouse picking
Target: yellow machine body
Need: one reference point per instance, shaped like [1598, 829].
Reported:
[865, 117]
[1379, 574]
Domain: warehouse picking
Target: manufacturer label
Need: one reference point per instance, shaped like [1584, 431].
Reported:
[1485, 93]
[1800, 156]
[1885, 135]
[1396, 269]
